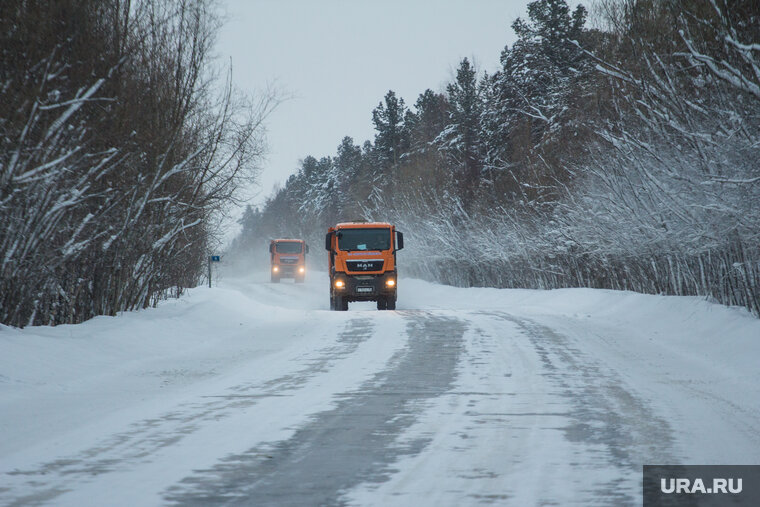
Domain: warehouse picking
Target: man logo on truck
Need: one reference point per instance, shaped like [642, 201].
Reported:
[288, 259]
[362, 263]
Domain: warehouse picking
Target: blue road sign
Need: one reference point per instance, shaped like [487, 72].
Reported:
[214, 258]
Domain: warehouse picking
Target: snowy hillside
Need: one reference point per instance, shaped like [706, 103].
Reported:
[255, 393]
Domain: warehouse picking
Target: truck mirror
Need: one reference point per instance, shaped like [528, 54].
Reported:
[271, 247]
[400, 240]
[327, 241]
[306, 248]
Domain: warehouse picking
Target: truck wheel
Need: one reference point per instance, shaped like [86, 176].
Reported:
[341, 304]
[332, 303]
[382, 303]
[391, 303]
[275, 278]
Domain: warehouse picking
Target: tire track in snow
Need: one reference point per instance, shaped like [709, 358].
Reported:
[348, 445]
[135, 446]
[603, 412]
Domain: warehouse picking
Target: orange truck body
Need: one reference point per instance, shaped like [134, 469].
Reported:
[362, 263]
[288, 259]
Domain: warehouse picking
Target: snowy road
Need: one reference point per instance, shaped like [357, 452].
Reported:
[255, 394]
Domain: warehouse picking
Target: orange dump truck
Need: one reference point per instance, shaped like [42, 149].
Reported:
[288, 259]
[362, 263]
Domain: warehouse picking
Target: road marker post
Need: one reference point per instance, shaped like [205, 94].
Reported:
[211, 258]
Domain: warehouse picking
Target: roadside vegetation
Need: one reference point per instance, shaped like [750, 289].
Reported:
[118, 154]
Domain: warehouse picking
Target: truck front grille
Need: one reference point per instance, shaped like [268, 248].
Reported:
[365, 265]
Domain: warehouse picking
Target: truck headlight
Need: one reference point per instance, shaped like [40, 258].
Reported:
[301, 269]
[390, 282]
[339, 284]
[275, 269]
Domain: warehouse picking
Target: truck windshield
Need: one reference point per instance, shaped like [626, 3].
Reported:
[364, 239]
[288, 247]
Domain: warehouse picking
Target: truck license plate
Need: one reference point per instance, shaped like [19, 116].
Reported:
[364, 289]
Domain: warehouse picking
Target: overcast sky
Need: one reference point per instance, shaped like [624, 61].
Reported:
[338, 59]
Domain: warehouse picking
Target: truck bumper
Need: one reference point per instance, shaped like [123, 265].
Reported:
[366, 287]
[288, 270]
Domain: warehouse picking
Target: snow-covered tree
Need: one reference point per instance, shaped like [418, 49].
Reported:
[115, 158]
[392, 137]
[460, 140]
[532, 98]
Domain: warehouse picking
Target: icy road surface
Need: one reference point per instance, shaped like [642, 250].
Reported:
[254, 393]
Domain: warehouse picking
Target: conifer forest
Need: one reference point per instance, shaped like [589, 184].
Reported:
[617, 147]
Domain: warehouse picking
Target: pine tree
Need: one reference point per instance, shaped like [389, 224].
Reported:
[536, 73]
[392, 138]
[531, 103]
[250, 223]
[460, 138]
[353, 179]
[427, 121]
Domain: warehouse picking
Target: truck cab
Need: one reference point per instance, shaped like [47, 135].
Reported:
[288, 259]
[362, 263]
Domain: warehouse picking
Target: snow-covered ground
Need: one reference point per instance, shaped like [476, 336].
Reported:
[255, 393]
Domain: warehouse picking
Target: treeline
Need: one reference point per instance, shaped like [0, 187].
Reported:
[117, 154]
[622, 156]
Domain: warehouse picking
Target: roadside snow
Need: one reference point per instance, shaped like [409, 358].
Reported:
[113, 386]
